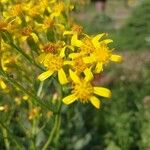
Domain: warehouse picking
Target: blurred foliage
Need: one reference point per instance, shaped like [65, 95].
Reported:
[100, 22]
[135, 34]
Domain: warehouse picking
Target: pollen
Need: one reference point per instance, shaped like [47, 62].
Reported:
[53, 62]
[50, 48]
[79, 65]
[77, 29]
[83, 91]
[26, 31]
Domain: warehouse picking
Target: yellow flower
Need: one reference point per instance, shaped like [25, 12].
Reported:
[101, 56]
[54, 64]
[16, 10]
[58, 9]
[85, 92]
[27, 32]
[95, 51]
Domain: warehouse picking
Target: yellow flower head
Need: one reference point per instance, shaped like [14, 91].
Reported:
[16, 10]
[84, 91]
[95, 50]
[54, 64]
[48, 22]
[59, 7]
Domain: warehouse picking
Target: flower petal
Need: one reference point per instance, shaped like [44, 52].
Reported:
[95, 102]
[45, 75]
[62, 77]
[75, 41]
[74, 77]
[74, 55]
[88, 60]
[2, 84]
[67, 33]
[102, 92]
[88, 74]
[107, 41]
[99, 68]
[35, 37]
[69, 99]
[116, 58]
[96, 39]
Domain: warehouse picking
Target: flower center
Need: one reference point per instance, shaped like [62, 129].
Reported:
[87, 47]
[50, 47]
[77, 29]
[83, 91]
[102, 54]
[26, 31]
[79, 65]
[53, 63]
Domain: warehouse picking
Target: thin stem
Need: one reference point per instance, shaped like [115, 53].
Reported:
[11, 136]
[34, 98]
[55, 128]
[5, 136]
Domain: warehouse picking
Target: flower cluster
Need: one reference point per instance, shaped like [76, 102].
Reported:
[42, 32]
[77, 63]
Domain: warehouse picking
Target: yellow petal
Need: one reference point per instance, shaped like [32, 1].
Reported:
[99, 68]
[88, 74]
[102, 92]
[95, 102]
[35, 37]
[62, 77]
[2, 84]
[62, 52]
[68, 62]
[74, 77]
[116, 58]
[69, 99]
[75, 41]
[67, 33]
[107, 41]
[45, 75]
[23, 38]
[96, 39]
[88, 60]
[74, 55]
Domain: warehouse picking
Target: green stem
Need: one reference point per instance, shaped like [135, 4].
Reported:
[5, 136]
[55, 128]
[26, 56]
[11, 136]
[34, 98]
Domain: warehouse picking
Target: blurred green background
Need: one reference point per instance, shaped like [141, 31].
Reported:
[123, 123]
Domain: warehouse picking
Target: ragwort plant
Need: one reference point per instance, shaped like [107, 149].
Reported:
[46, 62]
